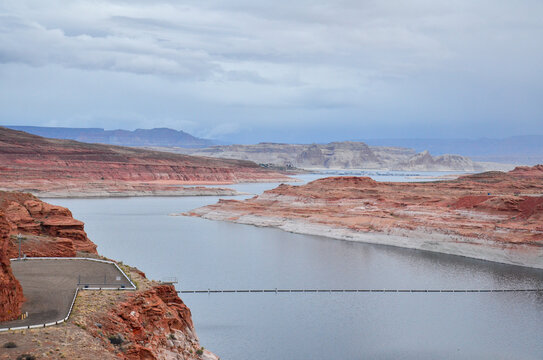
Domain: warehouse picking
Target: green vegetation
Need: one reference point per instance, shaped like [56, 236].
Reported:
[10, 345]
[116, 339]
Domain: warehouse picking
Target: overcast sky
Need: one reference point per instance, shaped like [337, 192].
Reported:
[292, 71]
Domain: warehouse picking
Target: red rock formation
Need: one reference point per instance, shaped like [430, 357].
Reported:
[494, 210]
[48, 230]
[153, 324]
[35, 164]
[11, 293]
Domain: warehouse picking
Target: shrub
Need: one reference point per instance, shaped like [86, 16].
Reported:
[116, 339]
[200, 351]
[26, 357]
[10, 345]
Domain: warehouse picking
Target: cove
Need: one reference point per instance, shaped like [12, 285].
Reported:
[207, 254]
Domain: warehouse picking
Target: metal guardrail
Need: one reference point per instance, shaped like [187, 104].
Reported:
[37, 326]
[89, 259]
[76, 290]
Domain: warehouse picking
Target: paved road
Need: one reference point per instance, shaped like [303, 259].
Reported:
[49, 286]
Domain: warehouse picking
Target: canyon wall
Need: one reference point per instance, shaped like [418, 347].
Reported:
[342, 155]
[39, 165]
[47, 230]
[494, 215]
[11, 293]
[151, 322]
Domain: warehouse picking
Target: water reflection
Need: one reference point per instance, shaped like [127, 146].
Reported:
[207, 254]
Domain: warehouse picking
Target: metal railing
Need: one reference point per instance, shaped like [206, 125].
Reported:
[85, 287]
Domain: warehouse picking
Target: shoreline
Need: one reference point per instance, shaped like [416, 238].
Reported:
[525, 255]
[127, 194]
[159, 188]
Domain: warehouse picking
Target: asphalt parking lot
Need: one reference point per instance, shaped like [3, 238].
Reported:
[49, 286]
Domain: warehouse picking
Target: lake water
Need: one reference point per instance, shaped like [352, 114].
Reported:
[206, 254]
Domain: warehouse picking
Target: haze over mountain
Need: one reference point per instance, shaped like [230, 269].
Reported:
[526, 150]
[59, 167]
[342, 155]
[138, 137]
[398, 154]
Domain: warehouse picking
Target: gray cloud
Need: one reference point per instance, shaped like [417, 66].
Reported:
[239, 63]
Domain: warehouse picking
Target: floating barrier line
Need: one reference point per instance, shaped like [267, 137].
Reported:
[209, 291]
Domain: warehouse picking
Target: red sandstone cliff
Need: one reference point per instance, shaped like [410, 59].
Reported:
[149, 323]
[494, 215]
[48, 230]
[40, 165]
[11, 293]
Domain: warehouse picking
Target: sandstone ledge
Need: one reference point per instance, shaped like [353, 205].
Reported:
[491, 216]
[419, 239]
[151, 322]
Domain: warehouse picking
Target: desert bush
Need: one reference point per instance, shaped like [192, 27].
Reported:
[26, 357]
[116, 339]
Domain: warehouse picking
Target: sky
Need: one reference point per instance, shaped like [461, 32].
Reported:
[247, 71]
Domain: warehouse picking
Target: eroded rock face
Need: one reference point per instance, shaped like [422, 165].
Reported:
[343, 155]
[39, 165]
[152, 324]
[149, 323]
[11, 293]
[48, 230]
[495, 216]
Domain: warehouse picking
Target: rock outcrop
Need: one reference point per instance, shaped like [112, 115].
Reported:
[11, 293]
[342, 155]
[150, 323]
[494, 215]
[39, 165]
[47, 230]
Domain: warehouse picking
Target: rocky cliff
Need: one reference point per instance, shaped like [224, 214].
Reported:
[494, 215]
[149, 323]
[152, 323]
[41, 166]
[342, 155]
[47, 230]
[11, 293]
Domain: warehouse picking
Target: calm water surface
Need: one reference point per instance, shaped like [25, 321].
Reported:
[207, 254]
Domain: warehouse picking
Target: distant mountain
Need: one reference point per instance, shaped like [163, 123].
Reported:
[59, 167]
[342, 155]
[525, 150]
[138, 137]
